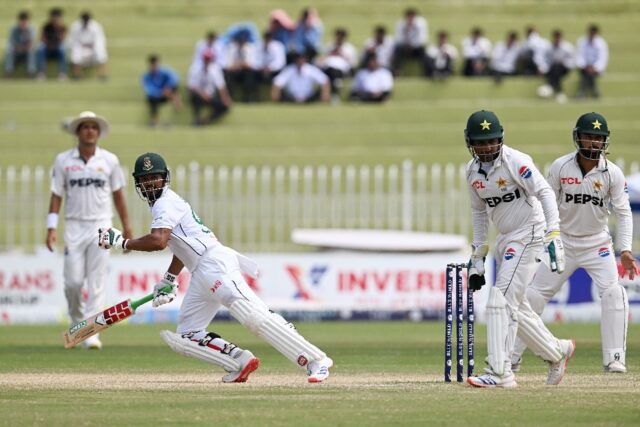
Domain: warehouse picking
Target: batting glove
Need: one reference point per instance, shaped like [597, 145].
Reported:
[165, 291]
[111, 238]
[553, 253]
[475, 267]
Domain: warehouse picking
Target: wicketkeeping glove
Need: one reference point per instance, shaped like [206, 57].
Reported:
[475, 267]
[165, 291]
[553, 254]
[111, 238]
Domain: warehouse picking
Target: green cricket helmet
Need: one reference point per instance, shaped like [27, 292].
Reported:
[591, 124]
[151, 164]
[484, 126]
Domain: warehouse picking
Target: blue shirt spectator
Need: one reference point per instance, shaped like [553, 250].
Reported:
[281, 26]
[307, 35]
[20, 45]
[160, 85]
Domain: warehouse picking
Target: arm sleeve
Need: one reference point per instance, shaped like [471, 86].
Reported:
[281, 79]
[530, 178]
[580, 62]
[622, 210]
[553, 179]
[166, 214]
[57, 178]
[603, 57]
[479, 218]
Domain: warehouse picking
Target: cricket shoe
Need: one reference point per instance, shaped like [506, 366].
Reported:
[616, 367]
[318, 371]
[92, 343]
[491, 380]
[557, 369]
[248, 362]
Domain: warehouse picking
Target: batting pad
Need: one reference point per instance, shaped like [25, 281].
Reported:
[613, 326]
[537, 337]
[497, 331]
[274, 330]
[189, 348]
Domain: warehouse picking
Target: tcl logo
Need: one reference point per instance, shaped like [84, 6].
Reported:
[477, 184]
[570, 180]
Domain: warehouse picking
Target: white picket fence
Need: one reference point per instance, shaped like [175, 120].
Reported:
[255, 208]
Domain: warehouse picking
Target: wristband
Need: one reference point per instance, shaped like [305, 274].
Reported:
[52, 220]
[169, 277]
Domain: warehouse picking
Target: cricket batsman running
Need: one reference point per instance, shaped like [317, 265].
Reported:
[505, 186]
[216, 281]
[585, 184]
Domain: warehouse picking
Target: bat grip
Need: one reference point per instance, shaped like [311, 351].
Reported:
[137, 303]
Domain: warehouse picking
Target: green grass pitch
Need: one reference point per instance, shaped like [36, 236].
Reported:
[384, 374]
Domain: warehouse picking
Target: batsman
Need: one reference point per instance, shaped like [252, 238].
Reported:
[216, 281]
[505, 186]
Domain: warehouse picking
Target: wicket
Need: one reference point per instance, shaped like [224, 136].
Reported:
[456, 270]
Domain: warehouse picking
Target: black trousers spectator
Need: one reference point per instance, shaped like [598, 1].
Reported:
[526, 64]
[588, 84]
[215, 105]
[402, 52]
[154, 105]
[335, 78]
[439, 70]
[554, 76]
[368, 96]
[245, 80]
[474, 67]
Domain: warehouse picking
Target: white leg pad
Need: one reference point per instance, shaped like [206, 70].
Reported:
[273, 329]
[497, 331]
[189, 348]
[533, 332]
[614, 324]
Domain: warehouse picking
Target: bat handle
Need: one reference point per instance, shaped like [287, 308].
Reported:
[147, 298]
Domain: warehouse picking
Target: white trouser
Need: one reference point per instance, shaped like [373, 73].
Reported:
[84, 263]
[594, 254]
[515, 269]
[216, 282]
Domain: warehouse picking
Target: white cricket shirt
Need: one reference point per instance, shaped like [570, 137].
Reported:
[513, 193]
[86, 187]
[190, 238]
[584, 200]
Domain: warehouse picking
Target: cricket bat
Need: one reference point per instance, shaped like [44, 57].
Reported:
[103, 320]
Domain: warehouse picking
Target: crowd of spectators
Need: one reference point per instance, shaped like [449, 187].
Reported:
[290, 59]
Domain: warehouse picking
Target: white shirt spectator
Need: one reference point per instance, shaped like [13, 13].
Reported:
[384, 51]
[206, 81]
[88, 44]
[535, 43]
[300, 83]
[440, 54]
[376, 81]
[87, 186]
[476, 49]
[217, 49]
[504, 58]
[415, 35]
[561, 54]
[343, 59]
[272, 56]
[235, 53]
[592, 52]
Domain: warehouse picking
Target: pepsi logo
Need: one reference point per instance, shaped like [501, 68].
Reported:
[525, 172]
[509, 253]
[604, 252]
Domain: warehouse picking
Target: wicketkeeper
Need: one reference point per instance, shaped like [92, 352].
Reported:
[216, 281]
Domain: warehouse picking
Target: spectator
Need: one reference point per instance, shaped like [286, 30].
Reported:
[272, 58]
[338, 62]
[555, 62]
[211, 45]
[281, 26]
[241, 67]
[20, 46]
[372, 83]
[381, 44]
[533, 46]
[504, 57]
[52, 45]
[441, 57]
[476, 50]
[410, 39]
[592, 57]
[88, 45]
[300, 82]
[207, 88]
[160, 85]
[307, 35]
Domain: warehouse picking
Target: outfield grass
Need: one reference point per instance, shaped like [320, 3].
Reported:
[384, 374]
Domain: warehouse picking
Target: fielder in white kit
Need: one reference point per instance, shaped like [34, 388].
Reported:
[586, 184]
[88, 177]
[505, 186]
[216, 281]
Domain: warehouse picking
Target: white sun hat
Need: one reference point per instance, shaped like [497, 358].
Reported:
[86, 116]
